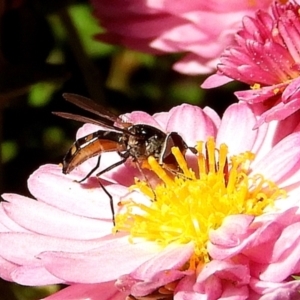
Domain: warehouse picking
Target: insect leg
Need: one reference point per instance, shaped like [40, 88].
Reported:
[101, 184]
[111, 203]
[112, 166]
[92, 171]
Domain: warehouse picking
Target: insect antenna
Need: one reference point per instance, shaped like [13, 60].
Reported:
[193, 149]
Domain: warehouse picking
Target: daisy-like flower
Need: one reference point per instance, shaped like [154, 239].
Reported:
[266, 56]
[226, 226]
[201, 29]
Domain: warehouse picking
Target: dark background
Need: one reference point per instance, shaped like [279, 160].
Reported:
[47, 49]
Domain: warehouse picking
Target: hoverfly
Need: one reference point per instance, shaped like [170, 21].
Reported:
[131, 141]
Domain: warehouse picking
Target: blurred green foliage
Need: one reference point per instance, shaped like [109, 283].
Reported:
[9, 150]
[40, 94]
[26, 293]
[87, 27]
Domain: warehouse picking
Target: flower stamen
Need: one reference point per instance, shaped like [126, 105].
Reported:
[187, 206]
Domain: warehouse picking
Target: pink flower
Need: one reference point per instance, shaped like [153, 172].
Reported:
[231, 231]
[266, 56]
[201, 29]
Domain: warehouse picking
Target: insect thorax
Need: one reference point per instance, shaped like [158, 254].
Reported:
[146, 141]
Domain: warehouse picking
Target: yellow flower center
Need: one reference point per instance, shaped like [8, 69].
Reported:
[185, 207]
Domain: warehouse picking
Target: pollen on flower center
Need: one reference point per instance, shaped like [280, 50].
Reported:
[185, 207]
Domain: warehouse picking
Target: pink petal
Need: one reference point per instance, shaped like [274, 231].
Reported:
[162, 118]
[283, 156]
[193, 64]
[264, 141]
[212, 114]
[170, 258]
[188, 27]
[263, 236]
[158, 271]
[280, 110]
[7, 224]
[260, 95]
[108, 261]
[87, 129]
[237, 122]
[6, 269]
[162, 278]
[227, 270]
[279, 130]
[232, 227]
[215, 80]
[191, 123]
[262, 233]
[105, 290]
[22, 248]
[285, 257]
[52, 221]
[185, 289]
[211, 288]
[234, 292]
[292, 91]
[281, 291]
[140, 117]
[86, 199]
[34, 276]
